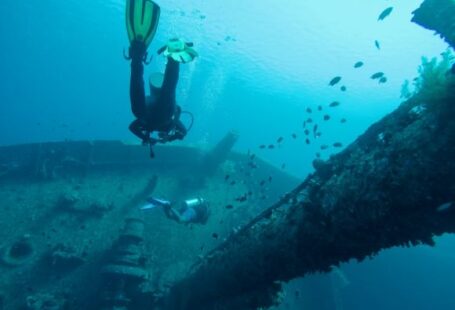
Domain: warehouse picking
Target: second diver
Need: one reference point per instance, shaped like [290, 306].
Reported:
[159, 111]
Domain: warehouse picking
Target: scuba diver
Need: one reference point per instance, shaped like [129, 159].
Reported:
[190, 211]
[158, 112]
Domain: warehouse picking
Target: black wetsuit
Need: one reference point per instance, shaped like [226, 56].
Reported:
[154, 113]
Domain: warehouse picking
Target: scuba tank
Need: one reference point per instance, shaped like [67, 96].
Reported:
[193, 203]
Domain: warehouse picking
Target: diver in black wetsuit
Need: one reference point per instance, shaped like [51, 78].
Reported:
[158, 112]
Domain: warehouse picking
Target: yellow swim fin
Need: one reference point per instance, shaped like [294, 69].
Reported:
[142, 18]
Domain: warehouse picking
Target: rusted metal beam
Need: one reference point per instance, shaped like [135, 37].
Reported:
[394, 186]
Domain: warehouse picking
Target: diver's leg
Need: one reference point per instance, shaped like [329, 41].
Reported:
[171, 78]
[137, 91]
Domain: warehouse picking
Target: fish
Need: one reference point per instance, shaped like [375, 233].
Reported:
[307, 132]
[385, 13]
[324, 147]
[320, 108]
[318, 134]
[241, 198]
[226, 177]
[343, 88]
[262, 183]
[334, 104]
[294, 136]
[309, 121]
[444, 207]
[308, 110]
[343, 120]
[283, 166]
[250, 193]
[315, 129]
[377, 44]
[335, 80]
[229, 207]
[270, 179]
[318, 155]
[232, 183]
[271, 146]
[262, 146]
[377, 75]
[358, 64]
[382, 80]
[215, 236]
[307, 141]
[279, 140]
[252, 156]
[337, 144]
[326, 117]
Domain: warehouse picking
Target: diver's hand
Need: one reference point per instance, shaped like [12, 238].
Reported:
[137, 50]
[146, 141]
[179, 135]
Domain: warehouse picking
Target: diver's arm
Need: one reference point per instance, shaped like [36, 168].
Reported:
[137, 129]
[172, 214]
[137, 90]
[180, 131]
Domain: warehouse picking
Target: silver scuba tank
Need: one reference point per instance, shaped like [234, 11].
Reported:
[194, 202]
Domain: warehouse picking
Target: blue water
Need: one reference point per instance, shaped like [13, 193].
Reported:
[262, 63]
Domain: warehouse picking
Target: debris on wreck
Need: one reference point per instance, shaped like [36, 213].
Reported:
[219, 153]
[18, 253]
[71, 201]
[46, 301]
[125, 271]
[68, 201]
[65, 257]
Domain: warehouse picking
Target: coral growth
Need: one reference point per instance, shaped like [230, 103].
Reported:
[435, 78]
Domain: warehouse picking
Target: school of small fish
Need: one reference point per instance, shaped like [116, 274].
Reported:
[310, 126]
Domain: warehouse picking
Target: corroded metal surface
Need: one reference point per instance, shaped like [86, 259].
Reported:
[438, 15]
[394, 186]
